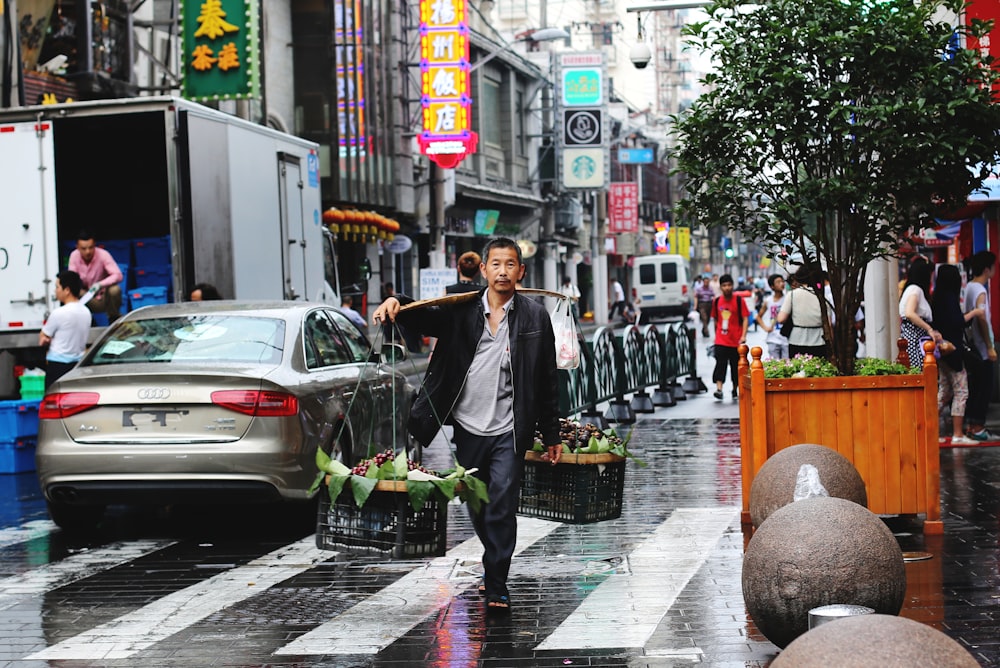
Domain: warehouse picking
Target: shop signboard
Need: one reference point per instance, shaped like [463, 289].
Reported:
[582, 127]
[446, 137]
[985, 10]
[486, 221]
[220, 49]
[623, 208]
[434, 281]
[584, 168]
[582, 152]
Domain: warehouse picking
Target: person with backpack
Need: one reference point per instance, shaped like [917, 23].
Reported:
[732, 319]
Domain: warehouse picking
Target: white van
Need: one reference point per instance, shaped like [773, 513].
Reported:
[661, 285]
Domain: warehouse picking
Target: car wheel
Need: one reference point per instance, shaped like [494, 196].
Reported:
[75, 519]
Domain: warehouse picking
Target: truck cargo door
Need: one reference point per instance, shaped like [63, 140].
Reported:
[293, 226]
[29, 243]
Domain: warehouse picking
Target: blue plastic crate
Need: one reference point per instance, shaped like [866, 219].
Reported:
[120, 249]
[151, 251]
[18, 455]
[154, 274]
[147, 296]
[18, 418]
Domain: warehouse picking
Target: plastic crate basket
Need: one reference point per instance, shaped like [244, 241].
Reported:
[18, 455]
[386, 525]
[151, 275]
[151, 250]
[32, 386]
[578, 490]
[18, 418]
[145, 296]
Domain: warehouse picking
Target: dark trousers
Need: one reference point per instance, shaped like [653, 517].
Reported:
[980, 390]
[496, 523]
[56, 370]
[726, 356]
[617, 307]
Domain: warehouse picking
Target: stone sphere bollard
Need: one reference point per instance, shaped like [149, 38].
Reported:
[774, 484]
[874, 641]
[819, 551]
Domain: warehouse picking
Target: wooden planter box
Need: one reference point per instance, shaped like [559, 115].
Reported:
[886, 426]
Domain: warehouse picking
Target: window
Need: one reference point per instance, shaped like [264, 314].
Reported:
[668, 272]
[647, 274]
[491, 124]
[356, 341]
[325, 345]
[194, 338]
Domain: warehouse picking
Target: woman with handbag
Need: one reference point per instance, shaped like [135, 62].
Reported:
[801, 311]
[915, 312]
[953, 384]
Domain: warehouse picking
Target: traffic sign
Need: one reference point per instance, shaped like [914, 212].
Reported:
[582, 127]
[635, 156]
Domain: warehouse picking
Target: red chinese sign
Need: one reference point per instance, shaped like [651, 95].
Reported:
[446, 137]
[623, 208]
[986, 10]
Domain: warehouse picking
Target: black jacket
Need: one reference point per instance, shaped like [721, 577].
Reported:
[458, 328]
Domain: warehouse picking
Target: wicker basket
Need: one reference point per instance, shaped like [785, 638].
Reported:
[386, 525]
[579, 489]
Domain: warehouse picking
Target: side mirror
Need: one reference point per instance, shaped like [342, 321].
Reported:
[392, 353]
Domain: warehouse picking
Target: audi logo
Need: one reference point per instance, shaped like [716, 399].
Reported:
[153, 393]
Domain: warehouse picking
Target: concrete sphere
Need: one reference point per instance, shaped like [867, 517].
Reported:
[774, 484]
[874, 641]
[819, 551]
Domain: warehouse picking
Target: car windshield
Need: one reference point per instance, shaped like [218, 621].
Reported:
[193, 338]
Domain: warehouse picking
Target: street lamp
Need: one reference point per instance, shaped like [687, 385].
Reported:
[540, 35]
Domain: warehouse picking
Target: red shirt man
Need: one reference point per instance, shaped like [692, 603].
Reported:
[732, 319]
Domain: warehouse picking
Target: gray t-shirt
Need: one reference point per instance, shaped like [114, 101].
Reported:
[972, 292]
[486, 404]
[803, 305]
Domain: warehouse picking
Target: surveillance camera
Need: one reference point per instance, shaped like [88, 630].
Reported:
[640, 55]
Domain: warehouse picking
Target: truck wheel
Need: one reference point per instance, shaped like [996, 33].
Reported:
[75, 519]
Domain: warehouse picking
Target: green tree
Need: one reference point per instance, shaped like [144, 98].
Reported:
[831, 127]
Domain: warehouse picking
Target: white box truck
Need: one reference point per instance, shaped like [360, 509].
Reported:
[240, 202]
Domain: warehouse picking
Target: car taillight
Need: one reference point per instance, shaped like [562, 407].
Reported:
[684, 289]
[259, 403]
[64, 404]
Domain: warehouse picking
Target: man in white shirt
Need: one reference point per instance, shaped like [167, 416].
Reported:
[573, 293]
[618, 304]
[65, 332]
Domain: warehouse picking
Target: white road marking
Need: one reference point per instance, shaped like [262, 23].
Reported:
[131, 633]
[18, 588]
[633, 604]
[26, 532]
[381, 619]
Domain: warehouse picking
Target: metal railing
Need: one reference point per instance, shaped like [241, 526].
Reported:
[633, 362]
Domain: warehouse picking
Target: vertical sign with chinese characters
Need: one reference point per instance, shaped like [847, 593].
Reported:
[220, 56]
[446, 136]
[986, 10]
[581, 103]
[623, 208]
[349, 56]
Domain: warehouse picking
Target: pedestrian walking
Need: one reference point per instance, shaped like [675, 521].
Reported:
[802, 306]
[347, 306]
[66, 329]
[493, 377]
[100, 274]
[983, 355]
[732, 319]
[953, 385]
[777, 344]
[704, 295]
[571, 292]
[915, 312]
[618, 304]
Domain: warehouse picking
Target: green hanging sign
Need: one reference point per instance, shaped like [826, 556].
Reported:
[221, 53]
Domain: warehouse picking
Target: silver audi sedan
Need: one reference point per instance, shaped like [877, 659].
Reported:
[215, 402]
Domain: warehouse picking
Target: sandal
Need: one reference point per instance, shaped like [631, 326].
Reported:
[498, 603]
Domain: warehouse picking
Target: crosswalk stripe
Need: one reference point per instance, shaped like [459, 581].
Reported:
[381, 619]
[633, 604]
[18, 588]
[133, 632]
[25, 532]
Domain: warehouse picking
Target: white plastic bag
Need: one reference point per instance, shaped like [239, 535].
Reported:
[564, 328]
[807, 483]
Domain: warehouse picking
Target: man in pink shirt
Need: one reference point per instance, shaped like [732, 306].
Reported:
[100, 275]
